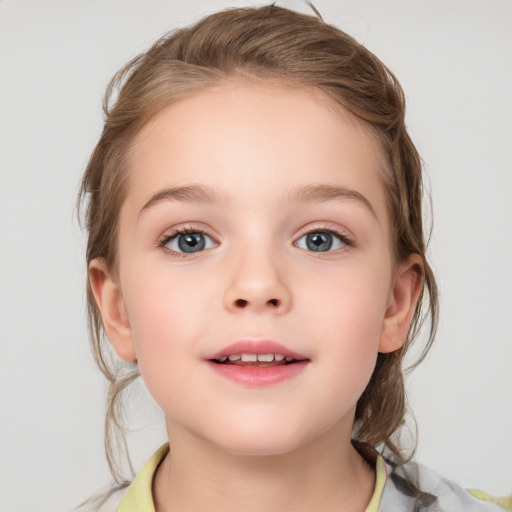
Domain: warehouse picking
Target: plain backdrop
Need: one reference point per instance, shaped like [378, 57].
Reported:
[454, 60]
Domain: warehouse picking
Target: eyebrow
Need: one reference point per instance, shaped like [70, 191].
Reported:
[319, 193]
[187, 193]
[301, 194]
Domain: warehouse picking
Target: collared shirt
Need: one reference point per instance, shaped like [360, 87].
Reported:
[391, 492]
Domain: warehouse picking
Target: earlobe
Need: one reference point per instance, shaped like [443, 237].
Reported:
[402, 304]
[109, 300]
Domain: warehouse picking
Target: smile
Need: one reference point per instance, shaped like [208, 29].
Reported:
[262, 360]
[257, 363]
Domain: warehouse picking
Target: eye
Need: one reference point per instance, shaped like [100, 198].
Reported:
[322, 241]
[188, 242]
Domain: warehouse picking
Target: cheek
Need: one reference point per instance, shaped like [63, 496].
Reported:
[165, 320]
[159, 332]
[348, 317]
[352, 298]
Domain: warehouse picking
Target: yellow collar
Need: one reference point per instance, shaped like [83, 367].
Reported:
[139, 497]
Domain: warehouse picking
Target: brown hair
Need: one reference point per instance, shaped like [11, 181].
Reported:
[264, 43]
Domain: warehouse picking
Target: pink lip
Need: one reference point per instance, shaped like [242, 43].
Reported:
[257, 347]
[258, 376]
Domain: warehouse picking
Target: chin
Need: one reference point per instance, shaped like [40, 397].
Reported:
[259, 440]
[249, 448]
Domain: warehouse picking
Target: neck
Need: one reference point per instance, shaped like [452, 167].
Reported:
[327, 474]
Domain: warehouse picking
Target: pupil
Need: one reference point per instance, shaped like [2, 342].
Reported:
[319, 242]
[191, 242]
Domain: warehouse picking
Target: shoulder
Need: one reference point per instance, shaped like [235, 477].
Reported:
[105, 501]
[112, 502]
[129, 497]
[415, 487]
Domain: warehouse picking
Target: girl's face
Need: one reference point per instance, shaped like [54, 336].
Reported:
[255, 223]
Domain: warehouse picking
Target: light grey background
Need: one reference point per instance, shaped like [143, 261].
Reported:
[453, 59]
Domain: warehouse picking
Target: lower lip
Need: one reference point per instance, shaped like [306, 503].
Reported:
[258, 376]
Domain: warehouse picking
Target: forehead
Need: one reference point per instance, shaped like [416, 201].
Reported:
[249, 138]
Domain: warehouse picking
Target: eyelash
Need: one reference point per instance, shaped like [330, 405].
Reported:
[343, 237]
[179, 231]
[162, 243]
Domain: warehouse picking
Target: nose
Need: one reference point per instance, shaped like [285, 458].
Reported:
[257, 284]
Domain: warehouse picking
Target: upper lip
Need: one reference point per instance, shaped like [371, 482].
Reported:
[257, 346]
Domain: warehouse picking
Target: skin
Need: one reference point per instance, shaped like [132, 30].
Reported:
[235, 447]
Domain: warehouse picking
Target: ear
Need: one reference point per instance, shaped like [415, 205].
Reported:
[109, 300]
[401, 304]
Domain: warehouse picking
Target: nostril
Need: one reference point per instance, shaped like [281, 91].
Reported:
[242, 303]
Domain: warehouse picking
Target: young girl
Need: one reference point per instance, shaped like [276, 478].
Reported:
[256, 253]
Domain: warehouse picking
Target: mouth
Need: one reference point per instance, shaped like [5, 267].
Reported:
[257, 362]
[256, 352]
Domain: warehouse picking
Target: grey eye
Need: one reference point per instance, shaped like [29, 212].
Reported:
[320, 241]
[190, 242]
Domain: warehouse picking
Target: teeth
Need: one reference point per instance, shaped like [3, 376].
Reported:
[252, 358]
